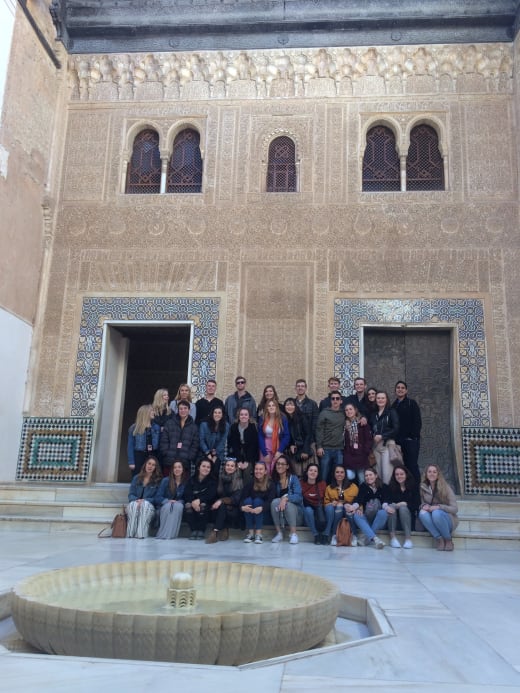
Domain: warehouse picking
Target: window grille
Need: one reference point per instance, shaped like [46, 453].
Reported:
[424, 165]
[381, 161]
[144, 170]
[185, 166]
[281, 166]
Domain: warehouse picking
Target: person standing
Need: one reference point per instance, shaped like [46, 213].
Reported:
[329, 435]
[308, 407]
[359, 398]
[333, 385]
[385, 427]
[410, 424]
[205, 405]
[241, 398]
[180, 439]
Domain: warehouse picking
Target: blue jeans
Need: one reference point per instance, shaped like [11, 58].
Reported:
[368, 530]
[438, 523]
[331, 458]
[254, 521]
[334, 514]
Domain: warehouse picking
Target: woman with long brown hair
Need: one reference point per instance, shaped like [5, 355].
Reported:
[287, 505]
[142, 498]
[170, 501]
[273, 434]
[438, 510]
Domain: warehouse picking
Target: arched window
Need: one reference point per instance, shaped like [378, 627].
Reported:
[424, 165]
[381, 161]
[281, 166]
[185, 167]
[144, 169]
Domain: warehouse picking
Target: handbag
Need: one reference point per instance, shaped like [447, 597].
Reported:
[117, 528]
[395, 453]
[343, 532]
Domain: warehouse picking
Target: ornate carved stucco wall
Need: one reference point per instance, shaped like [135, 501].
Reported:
[280, 260]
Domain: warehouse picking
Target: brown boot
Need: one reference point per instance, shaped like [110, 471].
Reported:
[449, 545]
[212, 538]
[223, 535]
[440, 544]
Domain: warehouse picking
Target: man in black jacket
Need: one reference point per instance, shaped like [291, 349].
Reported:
[410, 423]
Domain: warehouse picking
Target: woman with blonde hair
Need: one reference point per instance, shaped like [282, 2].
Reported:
[438, 510]
[161, 407]
[184, 394]
[273, 434]
[142, 498]
[143, 438]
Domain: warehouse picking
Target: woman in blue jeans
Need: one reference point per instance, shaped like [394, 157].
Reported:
[370, 516]
[255, 501]
[438, 511]
[340, 496]
[313, 492]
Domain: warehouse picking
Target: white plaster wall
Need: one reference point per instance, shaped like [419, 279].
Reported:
[15, 343]
[7, 9]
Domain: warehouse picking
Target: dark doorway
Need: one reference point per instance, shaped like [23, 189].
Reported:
[157, 357]
[421, 357]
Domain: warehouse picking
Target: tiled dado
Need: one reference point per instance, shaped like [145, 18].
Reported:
[491, 461]
[55, 449]
[350, 316]
[202, 312]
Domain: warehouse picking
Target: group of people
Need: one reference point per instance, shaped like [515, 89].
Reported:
[235, 464]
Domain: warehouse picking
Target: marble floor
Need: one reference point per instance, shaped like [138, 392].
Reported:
[456, 618]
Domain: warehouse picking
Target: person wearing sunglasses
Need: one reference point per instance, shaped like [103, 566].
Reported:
[329, 435]
[239, 399]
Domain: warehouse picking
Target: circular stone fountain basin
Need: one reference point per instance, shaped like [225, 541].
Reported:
[243, 613]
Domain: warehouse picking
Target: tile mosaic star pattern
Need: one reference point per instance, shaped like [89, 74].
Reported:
[203, 312]
[467, 314]
[491, 460]
[55, 449]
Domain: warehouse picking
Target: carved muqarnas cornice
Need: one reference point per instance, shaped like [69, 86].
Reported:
[286, 74]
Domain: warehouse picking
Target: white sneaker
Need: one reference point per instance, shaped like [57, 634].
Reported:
[408, 544]
[249, 539]
[353, 540]
[258, 539]
[394, 543]
[334, 541]
[277, 538]
[293, 539]
[378, 543]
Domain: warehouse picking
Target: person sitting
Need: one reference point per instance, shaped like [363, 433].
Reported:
[226, 508]
[370, 515]
[255, 501]
[402, 506]
[340, 497]
[142, 499]
[438, 511]
[242, 444]
[287, 505]
[199, 494]
[170, 501]
[313, 492]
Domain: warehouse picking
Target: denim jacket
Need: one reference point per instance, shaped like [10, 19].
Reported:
[294, 490]
[138, 442]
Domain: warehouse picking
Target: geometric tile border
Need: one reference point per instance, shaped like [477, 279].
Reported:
[467, 314]
[491, 460]
[202, 312]
[55, 449]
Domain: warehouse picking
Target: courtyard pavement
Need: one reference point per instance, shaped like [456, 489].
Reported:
[456, 618]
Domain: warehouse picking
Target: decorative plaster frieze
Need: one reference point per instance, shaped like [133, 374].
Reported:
[311, 73]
